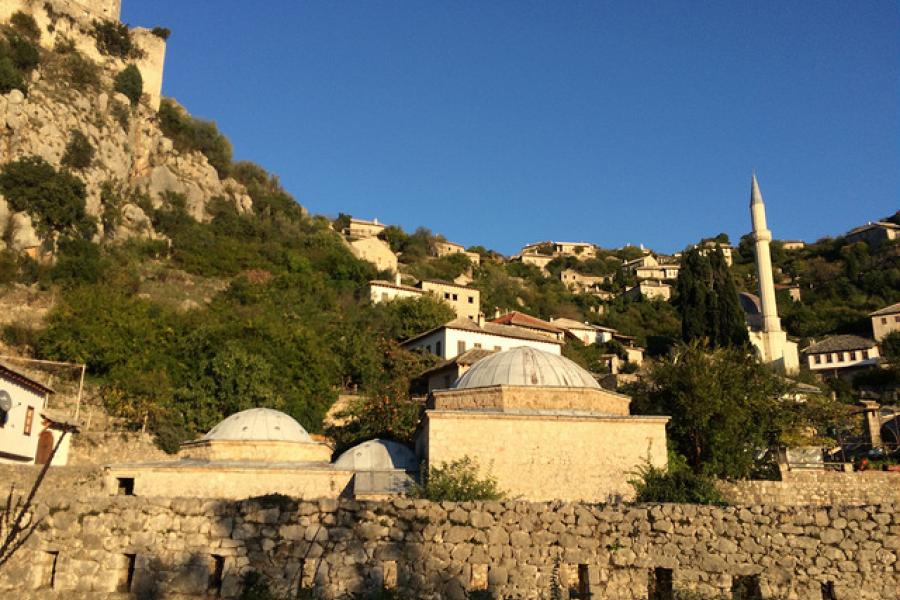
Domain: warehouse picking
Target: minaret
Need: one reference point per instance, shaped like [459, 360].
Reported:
[761, 237]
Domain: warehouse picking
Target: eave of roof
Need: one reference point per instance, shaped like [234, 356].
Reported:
[840, 343]
[24, 380]
[887, 310]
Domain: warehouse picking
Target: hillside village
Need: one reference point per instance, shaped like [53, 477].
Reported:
[211, 390]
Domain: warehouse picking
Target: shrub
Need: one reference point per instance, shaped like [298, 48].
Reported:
[188, 133]
[677, 484]
[10, 77]
[24, 53]
[130, 83]
[458, 481]
[25, 25]
[161, 32]
[83, 74]
[54, 199]
[120, 113]
[114, 39]
[78, 261]
[79, 151]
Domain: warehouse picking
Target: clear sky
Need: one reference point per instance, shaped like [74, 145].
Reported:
[502, 123]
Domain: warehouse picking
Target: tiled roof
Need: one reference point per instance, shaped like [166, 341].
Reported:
[520, 319]
[839, 343]
[888, 310]
[391, 284]
[463, 324]
[23, 380]
[450, 283]
[467, 358]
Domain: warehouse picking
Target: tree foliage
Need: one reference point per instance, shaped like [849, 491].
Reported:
[678, 483]
[130, 83]
[457, 481]
[707, 301]
[79, 152]
[54, 199]
[725, 406]
[189, 133]
[114, 39]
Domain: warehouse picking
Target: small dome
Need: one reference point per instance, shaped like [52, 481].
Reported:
[259, 424]
[526, 366]
[378, 455]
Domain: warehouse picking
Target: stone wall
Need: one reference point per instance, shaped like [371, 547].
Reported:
[102, 447]
[184, 548]
[822, 488]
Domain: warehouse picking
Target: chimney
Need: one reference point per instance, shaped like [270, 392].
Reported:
[872, 422]
[480, 320]
[397, 280]
[496, 312]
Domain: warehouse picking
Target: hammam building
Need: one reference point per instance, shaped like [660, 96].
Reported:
[536, 421]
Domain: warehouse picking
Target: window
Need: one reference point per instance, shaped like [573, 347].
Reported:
[884, 320]
[217, 570]
[446, 295]
[897, 319]
[865, 354]
[455, 297]
[29, 420]
[126, 577]
[478, 345]
[853, 355]
[661, 585]
[818, 359]
[460, 347]
[48, 569]
[829, 358]
[746, 587]
[125, 486]
[471, 300]
[437, 348]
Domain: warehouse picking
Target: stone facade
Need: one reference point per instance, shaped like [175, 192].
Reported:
[520, 397]
[188, 548]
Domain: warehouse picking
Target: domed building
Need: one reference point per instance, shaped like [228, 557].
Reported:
[543, 427]
[251, 453]
[381, 468]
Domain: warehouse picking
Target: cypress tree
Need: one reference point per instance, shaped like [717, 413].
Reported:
[707, 301]
[731, 323]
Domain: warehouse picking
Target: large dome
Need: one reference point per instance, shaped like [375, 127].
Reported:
[526, 366]
[259, 424]
[378, 455]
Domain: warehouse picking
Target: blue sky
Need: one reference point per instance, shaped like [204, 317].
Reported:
[502, 123]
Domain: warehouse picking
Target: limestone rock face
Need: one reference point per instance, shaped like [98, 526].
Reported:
[22, 232]
[130, 153]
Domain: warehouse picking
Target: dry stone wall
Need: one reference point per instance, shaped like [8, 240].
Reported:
[824, 488]
[180, 548]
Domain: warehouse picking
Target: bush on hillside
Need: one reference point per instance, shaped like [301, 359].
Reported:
[188, 133]
[114, 39]
[162, 33]
[79, 151]
[25, 25]
[10, 77]
[23, 52]
[55, 200]
[130, 83]
[269, 198]
[82, 73]
[457, 481]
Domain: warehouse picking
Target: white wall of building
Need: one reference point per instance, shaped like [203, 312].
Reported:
[447, 343]
[18, 437]
[842, 360]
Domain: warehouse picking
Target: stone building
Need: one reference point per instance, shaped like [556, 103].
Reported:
[650, 289]
[360, 228]
[375, 251]
[543, 427]
[885, 321]
[459, 335]
[874, 234]
[251, 453]
[841, 353]
[765, 330]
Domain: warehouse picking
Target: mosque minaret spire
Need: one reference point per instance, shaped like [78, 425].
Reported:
[761, 238]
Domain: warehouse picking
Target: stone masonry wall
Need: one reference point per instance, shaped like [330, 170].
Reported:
[823, 488]
[165, 548]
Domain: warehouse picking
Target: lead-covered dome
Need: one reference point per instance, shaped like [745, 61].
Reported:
[526, 366]
[378, 455]
[259, 424]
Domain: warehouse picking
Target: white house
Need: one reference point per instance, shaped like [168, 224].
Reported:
[587, 333]
[885, 321]
[840, 352]
[461, 334]
[28, 430]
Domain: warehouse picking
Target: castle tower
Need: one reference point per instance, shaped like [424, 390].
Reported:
[771, 342]
[761, 238]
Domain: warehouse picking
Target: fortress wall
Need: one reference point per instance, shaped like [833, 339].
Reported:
[823, 488]
[73, 20]
[181, 548]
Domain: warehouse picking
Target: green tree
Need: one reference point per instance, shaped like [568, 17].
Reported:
[457, 481]
[10, 77]
[79, 151]
[724, 405]
[707, 301]
[890, 346]
[25, 25]
[130, 83]
[54, 199]
[678, 483]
